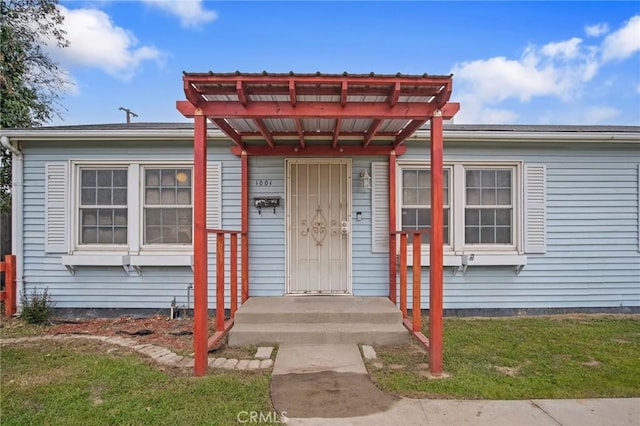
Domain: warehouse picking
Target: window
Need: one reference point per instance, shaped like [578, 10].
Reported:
[488, 211]
[103, 206]
[167, 206]
[480, 205]
[416, 201]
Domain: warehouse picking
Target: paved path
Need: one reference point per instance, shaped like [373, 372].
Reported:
[157, 353]
[313, 384]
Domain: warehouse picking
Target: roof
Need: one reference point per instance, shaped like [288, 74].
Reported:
[460, 132]
[293, 108]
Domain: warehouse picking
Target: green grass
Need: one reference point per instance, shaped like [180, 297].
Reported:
[80, 383]
[519, 358]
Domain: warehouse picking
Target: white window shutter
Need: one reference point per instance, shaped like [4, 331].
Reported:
[55, 206]
[379, 207]
[535, 200]
[214, 195]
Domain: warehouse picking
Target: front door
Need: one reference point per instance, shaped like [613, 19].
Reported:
[319, 226]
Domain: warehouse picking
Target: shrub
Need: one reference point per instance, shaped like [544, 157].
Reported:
[36, 306]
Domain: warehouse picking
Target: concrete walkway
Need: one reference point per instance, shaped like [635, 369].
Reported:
[311, 383]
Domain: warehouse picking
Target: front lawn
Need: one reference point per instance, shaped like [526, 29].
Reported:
[575, 356]
[87, 383]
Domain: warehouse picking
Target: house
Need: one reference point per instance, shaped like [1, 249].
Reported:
[311, 170]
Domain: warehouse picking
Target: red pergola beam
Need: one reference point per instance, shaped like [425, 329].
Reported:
[395, 95]
[266, 109]
[229, 131]
[293, 97]
[344, 86]
[408, 131]
[371, 132]
[283, 80]
[336, 132]
[266, 134]
[242, 96]
[333, 90]
[299, 130]
[318, 150]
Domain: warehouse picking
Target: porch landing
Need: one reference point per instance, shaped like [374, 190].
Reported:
[318, 320]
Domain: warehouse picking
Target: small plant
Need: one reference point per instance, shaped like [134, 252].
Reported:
[36, 306]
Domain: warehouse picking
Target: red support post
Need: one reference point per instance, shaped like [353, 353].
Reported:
[233, 271]
[416, 309]
[436, 247]
[219, 281]
[200, 250]
[403, 274]
[392, 226]
[10, 285]
[244, 212]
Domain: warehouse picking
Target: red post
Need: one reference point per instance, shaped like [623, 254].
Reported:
[220, 281]
[200, 250]
[436, 247]
[403, 274]
[392, 226]
[417, 281]
[233, 271]
[244, 211]
[10, 285]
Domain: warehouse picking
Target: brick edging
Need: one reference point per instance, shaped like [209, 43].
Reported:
[157, 353]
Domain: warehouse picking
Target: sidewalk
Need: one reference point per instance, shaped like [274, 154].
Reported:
[329, 385]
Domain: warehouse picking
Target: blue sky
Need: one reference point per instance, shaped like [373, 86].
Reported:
[513, 62]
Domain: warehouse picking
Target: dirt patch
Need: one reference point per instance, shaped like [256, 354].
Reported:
[328, 394]
[509, 371]
[175, 335]
[592, 364]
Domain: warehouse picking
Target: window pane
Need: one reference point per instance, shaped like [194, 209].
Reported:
[487, 217]
[473, 197]
[473, 178]
[410, 196]
[152, 196]
[488, 178]
[184, 235]
[503, 235]
[104, 178]
[120, 217]
[169, 234]
[169, 217]
[105, 235]
[472, 234]
[504, 197]
[487, 235]
[104, 197]
[120, 197]
[185, 217]
[152, 177]
[105, 217]
[89, 236]
[152, 217]
[409, 218]
[168, 196]
[424, 218]
[472, 216]
[424, 196]
[488, 197]
[183, 176]
[88, 178]
[184, 196]
[168, 177]
[88, 197]
[120, 178]
[503, 217]
[504, 179]
[424, 178]
[410, 178]
[152, 235]
[120, 235]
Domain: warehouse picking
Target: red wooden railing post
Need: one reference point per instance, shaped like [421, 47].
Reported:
[233, 272]
[417, 280]
[219, 281]
[392, 226]
[403, 274]
[436, 247]
[244, 211]
[200, 246]
[10, 285]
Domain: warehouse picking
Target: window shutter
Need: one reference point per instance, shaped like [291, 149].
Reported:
[214, 195]
[535, 239]
[55, 205]
[379, 207]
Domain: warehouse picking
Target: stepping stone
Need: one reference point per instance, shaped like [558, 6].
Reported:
[266, 363]
[218, 363]
[254, 364]
[369, 352]
[264, 352]
[243, 364]
[230, 364]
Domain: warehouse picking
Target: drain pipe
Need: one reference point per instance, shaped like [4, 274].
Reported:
[17, 201]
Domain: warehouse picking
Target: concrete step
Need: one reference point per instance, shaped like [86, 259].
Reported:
[318, 333]
[318, 309]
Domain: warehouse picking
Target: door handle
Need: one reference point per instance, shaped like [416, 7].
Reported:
[344, 227]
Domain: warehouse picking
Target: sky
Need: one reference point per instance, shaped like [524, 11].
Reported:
[512, 62]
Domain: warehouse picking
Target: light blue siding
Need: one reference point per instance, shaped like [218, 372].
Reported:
[592, 257]
[592, 218]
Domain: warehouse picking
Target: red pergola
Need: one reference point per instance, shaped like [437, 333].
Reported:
[315, 115]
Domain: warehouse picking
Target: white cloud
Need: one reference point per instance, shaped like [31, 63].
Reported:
[190, 12]
[95, 41]
[596, 30]
[624, 42]
[599, 115]
[564, 49]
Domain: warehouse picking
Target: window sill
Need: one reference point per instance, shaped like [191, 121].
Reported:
[460, 263]
[71, 262]
[139, 261]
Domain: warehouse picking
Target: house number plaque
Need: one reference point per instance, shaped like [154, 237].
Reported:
[263, 182]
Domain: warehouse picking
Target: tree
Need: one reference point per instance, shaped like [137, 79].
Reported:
[30, 81]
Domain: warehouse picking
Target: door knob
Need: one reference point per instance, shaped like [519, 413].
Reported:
[344, 227]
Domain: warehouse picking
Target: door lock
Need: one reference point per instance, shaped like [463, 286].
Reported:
[344, 227]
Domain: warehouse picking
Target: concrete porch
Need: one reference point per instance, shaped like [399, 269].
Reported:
[318, 320]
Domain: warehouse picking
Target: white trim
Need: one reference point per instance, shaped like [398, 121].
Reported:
[534, 208]
[639, 207]
[380, 207]
[71, 262]
[56, 207]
